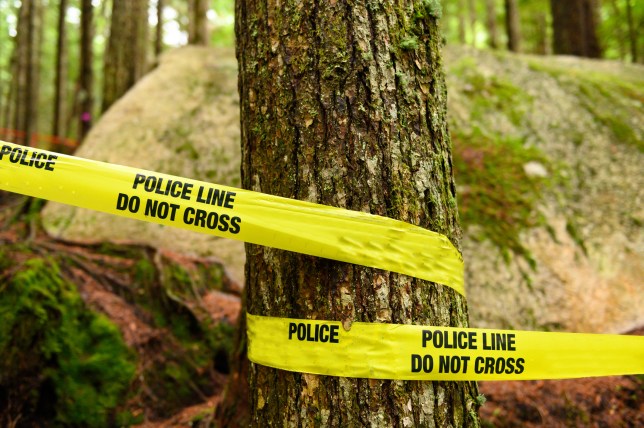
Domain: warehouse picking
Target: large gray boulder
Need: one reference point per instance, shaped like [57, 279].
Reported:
[550, 183]
[183, 119]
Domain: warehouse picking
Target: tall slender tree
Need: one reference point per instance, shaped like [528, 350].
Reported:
[26, 71]
[126, 55]
[344, 103]
[574, 23]
[86, 76]
[198, 22]
[158, 38]
[490, 23]
[632, 32]
[472, 10]
[61, 73]
[512, 25]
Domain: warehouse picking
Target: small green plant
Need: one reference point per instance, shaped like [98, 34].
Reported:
[409, 43]
[480, 399]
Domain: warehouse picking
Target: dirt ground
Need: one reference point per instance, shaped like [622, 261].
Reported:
[592, 402]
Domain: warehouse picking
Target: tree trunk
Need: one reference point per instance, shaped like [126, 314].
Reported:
[31, 63]
[126, 56]
[158, 39]
[343, 103]
[543, 45]
[512, 25]
[60, 83]
[490, 22]
[86, 76]
[472, 10]
[632, 32]
[198, 27]
[461, 22]
[574, 25]
[21, 75]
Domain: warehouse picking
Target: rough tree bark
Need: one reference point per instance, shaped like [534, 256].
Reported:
[574, 24]
[512, 25]
[61, 73]
[126, 55]
[343, 103]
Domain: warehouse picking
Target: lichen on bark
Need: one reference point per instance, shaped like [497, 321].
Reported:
[336, 112]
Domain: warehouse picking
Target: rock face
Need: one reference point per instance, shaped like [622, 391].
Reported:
[182, 119]
[578, 265]
[548, 156]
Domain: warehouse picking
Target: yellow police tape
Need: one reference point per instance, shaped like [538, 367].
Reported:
[382, 351]
[258, 218]
[414, 352]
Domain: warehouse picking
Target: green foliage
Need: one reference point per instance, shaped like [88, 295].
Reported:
[496, 193]
[49, 336]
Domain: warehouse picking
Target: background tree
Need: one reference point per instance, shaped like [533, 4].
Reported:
[158, 39]
[472, 9]
[512, 25]
[86, 75]
[343, 103]
[632, 31]
[574, 23]
[61, 72]
[126, 55]
[490, 22]
[198, 22]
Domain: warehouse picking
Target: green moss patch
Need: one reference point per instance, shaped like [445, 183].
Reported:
[496, 193]
[490, 93]
[62, 361]
[616, 103]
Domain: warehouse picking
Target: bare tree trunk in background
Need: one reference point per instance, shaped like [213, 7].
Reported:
[575, 28]
[20, 74]
[512, 25]
[632, 32]
[126, 55]
[591, 24]
[198, 26]
[543, 46]
[334, 111]
[490, 22]
[622, 38]
[86, 76]
[31, 58]
[158, 39]
[472, 10]
[9, 104]
[461, 22]
[60, 84]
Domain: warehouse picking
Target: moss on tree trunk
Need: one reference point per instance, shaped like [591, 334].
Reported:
[343, 103]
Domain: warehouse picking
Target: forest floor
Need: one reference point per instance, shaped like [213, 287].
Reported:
[596, 402]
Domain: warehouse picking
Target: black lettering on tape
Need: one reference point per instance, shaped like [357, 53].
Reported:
[307, 332]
